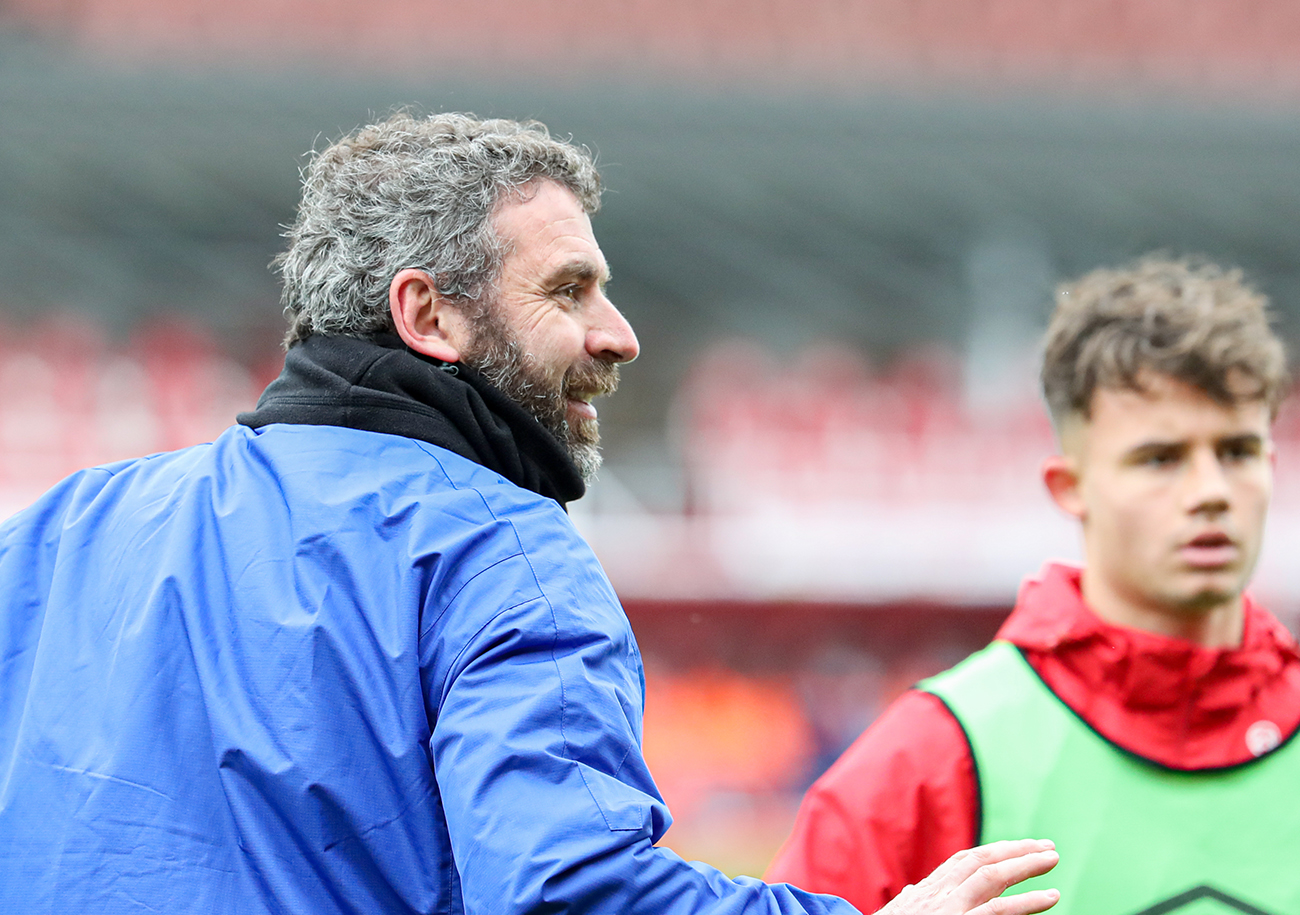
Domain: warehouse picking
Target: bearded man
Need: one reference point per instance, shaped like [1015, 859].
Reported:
[352, 657]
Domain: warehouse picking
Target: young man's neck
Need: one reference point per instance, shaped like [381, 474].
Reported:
[1219, 626]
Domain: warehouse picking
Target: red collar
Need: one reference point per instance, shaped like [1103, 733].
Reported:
[1169, 700]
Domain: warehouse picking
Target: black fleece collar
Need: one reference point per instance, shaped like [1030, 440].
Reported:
[376, 384]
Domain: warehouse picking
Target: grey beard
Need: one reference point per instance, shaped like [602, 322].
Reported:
[497, 355]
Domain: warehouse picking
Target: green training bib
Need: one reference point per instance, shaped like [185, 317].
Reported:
[1135, 837]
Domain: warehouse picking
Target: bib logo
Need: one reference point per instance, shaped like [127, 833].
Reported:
[1203, 900]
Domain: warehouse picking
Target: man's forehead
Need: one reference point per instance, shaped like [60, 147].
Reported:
[1164, 408]
[548, 224]
[1155, 392]
[537, 206]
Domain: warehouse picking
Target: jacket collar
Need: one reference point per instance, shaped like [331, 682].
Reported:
[376, 384]
[1142, 669]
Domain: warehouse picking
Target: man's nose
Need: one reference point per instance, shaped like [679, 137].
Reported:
[1208, 490]
[610, 338]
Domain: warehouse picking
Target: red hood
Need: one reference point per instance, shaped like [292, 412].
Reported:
[1178, 703]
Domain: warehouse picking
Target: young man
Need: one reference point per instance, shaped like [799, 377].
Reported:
[1139, 710]
[352, 657]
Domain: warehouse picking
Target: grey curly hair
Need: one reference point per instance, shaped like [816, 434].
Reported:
[412, 192]
[1187, 318]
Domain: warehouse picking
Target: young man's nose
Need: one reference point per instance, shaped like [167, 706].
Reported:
[1208, 489]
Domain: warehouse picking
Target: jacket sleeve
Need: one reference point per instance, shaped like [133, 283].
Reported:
[536, 753]
[896, 805]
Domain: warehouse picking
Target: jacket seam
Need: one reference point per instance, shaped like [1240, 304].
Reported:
[555, 638]
[978, 819]
[455, 662]
[564, 705]
[426, 629]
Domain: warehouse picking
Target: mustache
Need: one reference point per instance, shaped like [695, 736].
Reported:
[591, 379]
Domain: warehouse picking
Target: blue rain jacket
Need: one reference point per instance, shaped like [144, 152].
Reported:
[314, 670]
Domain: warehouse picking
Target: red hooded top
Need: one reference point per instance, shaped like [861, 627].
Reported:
[903, 798]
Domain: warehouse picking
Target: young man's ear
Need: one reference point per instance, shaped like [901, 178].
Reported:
[426, 320]
[1061, 477]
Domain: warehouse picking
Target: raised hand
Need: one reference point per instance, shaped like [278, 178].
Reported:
[971, 882]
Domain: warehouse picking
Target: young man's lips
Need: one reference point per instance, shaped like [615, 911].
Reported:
[1209, 551]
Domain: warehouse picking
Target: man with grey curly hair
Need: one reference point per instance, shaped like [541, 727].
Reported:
[415, 198]
[413, 193]
[352, 657]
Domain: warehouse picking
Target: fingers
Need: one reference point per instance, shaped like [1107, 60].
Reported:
[964, 864]
[1019, 904]
[971, 882]
[991, 880]
[997, 875]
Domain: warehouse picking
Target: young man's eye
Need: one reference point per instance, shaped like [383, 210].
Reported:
[1159, 458]
[1239, 451]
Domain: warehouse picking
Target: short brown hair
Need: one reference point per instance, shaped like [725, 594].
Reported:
[1186, 318]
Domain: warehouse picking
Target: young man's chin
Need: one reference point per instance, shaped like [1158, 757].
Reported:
[1204, 596]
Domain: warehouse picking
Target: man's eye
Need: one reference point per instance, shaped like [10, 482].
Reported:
[1239, 451]
[1159, 458]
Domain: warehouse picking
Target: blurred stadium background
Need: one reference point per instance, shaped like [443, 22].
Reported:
[835, 225]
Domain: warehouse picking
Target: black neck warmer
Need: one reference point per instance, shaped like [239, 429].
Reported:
[378, 385]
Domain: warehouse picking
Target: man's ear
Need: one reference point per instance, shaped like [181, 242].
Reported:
[425, 319]
[1061, 477]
